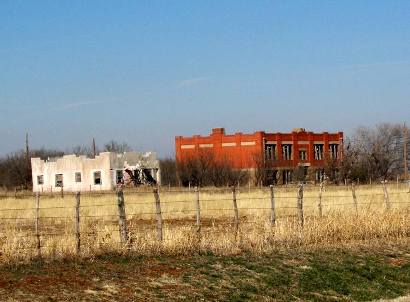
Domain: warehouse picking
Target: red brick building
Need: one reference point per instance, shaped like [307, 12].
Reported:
[280, 153]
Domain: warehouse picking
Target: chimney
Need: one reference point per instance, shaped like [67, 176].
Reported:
[218, 131]
[298, 130]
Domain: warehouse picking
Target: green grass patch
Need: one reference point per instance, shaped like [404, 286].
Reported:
[336, 275]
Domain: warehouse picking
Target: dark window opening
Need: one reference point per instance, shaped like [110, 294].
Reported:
[271, 177]
[59, 180]
[318, 149]
[287, 176]
[334, 174]
[302, 155]
[40, 179]
[320, 174]
[287, 152]
[77, 177]
[270, 151]
[119, 176]
[305, 171]
[97, 178]
[334, 151]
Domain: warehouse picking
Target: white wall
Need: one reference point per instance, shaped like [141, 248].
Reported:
[68, 165]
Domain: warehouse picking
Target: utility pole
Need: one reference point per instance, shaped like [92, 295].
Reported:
[93, 147]
[28, 177]
[27, 155]
[405, 135]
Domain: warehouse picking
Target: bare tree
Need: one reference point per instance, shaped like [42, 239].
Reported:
[221, 173]
[113, 146]
[266, 171]
[195, 169]
[15, 171]
[378, 149]
[82, 150]
[168, 172]
[203, 169]
[299, 174]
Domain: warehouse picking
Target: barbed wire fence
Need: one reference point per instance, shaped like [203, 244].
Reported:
[38, 227]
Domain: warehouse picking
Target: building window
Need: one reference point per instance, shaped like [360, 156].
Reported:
[97, 178]
[320, 175]
[287, 152]
[59, 180]
[305, 171]
[77, 176]
[270, 151]
[334, 174]
[287, 176]
[119, 176]
[302, 155]
[271, 177]
[40, 179]
[318, 150]
[334, 151]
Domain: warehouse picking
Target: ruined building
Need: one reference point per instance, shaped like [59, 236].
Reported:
[279, 154]
[104, 172]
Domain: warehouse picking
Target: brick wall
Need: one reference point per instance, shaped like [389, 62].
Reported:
[244, 150]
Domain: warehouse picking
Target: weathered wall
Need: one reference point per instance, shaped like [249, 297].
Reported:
[106, 162]
[68, 165]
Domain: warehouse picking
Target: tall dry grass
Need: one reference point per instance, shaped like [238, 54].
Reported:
[99, 221]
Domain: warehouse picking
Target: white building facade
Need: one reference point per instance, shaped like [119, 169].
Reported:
[102, 173]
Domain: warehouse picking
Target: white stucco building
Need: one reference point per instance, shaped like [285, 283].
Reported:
[104, 172]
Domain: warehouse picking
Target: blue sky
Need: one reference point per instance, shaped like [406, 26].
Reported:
[145, 71]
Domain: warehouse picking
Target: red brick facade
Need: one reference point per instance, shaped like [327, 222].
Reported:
[277, 150]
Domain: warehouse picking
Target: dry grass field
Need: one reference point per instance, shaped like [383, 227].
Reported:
[99, 229]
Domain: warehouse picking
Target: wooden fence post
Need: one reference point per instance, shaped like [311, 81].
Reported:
[300, 205]
[198, 210]
[386, 195]
[158, 215]
[320, 199]
[354, 198]
[77, 222]
[122, 220]
[37, 217]
[272, 207]
[235, 208]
